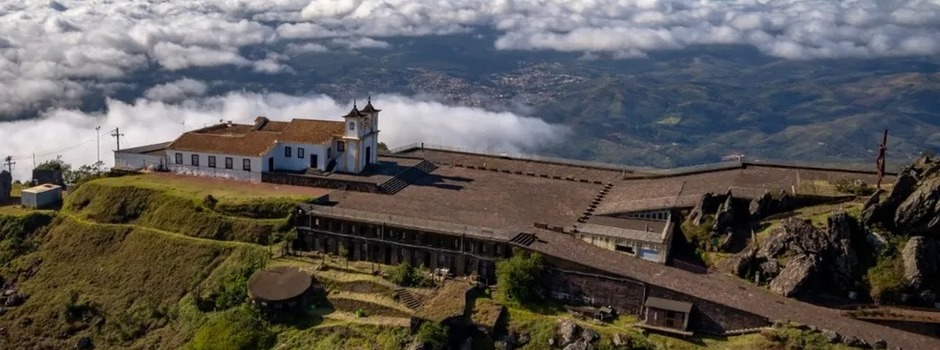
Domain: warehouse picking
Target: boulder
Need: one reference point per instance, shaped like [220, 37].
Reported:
[590, 335]
[578, 345]
[851, 341]
[873, 199]
[724, 217]
[567, 331]
[795, 277]
[919, 214]
[920, 261]
[832, 337]
[706, 205]
[883, 213]
[767, 204]
[797, 256]
[880, 344]
[842, 258]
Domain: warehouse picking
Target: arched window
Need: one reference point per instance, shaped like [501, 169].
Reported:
[352, 126]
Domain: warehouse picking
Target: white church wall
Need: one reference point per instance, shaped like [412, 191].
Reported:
[137, 161]
[237, 171]
[294, 162]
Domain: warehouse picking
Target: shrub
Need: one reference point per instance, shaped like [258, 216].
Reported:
[856, 187]
[433, 335]
[886, 278]
[209, 201]
[518, 278]
[407, 275]
[236, 329]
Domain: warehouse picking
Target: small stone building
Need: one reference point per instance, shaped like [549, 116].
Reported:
[666, 315]
[281, 289]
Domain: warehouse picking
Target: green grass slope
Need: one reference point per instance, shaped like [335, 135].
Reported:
[247, 221]
[120, 286]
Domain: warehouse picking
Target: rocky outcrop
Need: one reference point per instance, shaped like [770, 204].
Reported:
[797, 257]
[921, 263]
[795, 276]
[707, 204]
[913, 205]
[567, 332]
[724, 217]
[6, 186]
[769, 204]
[919, 214]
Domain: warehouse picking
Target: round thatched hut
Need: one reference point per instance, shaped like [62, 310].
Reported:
[281, 288]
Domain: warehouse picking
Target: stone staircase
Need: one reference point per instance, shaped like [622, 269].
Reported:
[407, 177]
[408, 299]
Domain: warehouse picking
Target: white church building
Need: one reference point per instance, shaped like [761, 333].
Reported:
[244, 151]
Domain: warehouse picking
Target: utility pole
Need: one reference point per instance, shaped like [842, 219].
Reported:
[8, 161]
[98, 141]
[117, 136]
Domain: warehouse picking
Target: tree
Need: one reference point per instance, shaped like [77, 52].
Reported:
[77, 176]
[433, 335]
[383, 147]
[518, 278]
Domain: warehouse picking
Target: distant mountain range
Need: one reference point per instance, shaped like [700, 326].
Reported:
[669, 109]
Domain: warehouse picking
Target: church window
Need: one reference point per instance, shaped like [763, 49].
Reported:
[212, 161]
[179, 158]
[352, 126]
[195, 160]
[246, 164]
[300, 152]
[287, 151]
[341, 146]
[228, 162]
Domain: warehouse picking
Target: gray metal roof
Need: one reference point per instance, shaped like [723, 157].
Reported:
[667, 304]
[145, 149]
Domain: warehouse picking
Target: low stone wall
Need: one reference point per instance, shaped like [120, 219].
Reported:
[321, 182]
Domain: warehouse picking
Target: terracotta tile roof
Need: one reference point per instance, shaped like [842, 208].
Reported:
[312, 131]
[242, 139]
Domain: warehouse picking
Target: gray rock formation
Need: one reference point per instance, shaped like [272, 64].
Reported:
[769, 204]
[832, 337]
[921, 263]
[6, 185]
[724, 217]
[590, 335]
[919, 214]
[706, 205]
[795, 276]
[578, 345]
[882, 213]
[797, 257]
[567, 331]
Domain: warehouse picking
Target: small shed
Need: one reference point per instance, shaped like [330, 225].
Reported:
[666, 315]
[42, 196]
[281, 288]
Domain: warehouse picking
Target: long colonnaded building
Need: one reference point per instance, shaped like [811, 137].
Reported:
[605, 230]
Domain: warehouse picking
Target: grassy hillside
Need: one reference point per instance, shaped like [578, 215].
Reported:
[119, 286]
[240, 220]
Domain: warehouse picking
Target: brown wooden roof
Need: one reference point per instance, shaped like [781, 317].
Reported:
[278, 284]
[244, 140]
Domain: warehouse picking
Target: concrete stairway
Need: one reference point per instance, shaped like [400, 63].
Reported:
[408, 298]
[407, 177]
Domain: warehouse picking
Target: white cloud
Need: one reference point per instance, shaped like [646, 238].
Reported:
[403, 120]
[46, 48]
[361, 43]
[176, 90]
[294, 49]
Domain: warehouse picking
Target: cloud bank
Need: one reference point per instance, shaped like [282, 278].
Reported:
[404, 120]
[52, 52]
